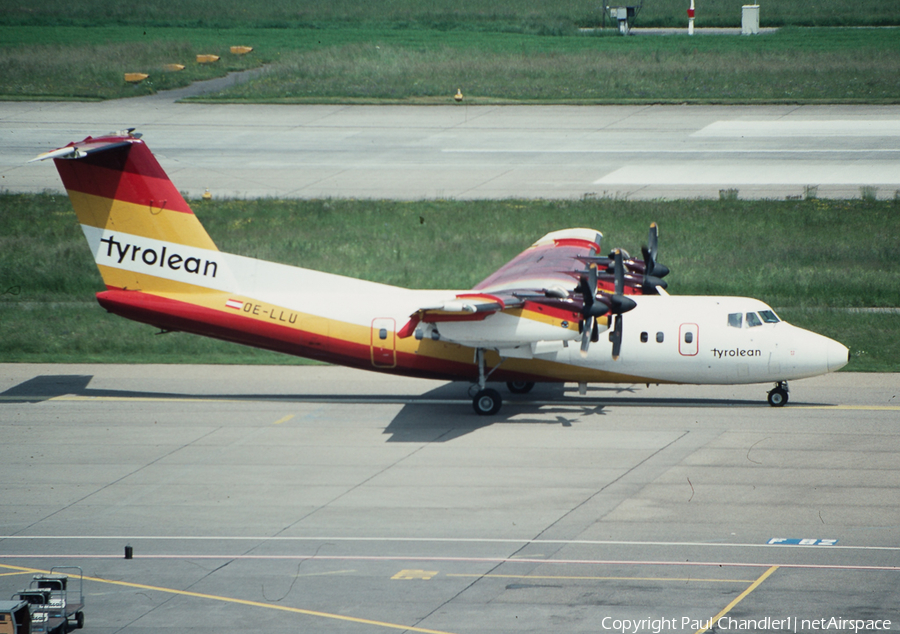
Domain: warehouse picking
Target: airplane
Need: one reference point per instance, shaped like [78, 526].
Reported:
[539, 318]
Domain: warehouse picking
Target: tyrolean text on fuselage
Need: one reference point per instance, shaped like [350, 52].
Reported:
[735, 352]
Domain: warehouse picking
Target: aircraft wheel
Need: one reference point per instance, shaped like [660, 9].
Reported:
[520, 387]
[778, 397]
[487, 402]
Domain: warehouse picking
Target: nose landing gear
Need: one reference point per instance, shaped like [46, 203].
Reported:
[778, 395]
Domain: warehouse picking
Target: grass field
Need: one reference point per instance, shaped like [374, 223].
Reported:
[537, 16]
[796, 66]
[812, 260]
[383, 64]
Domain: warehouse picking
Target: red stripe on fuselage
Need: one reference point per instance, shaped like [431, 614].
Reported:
[170, 314]
[552, 311]
[129, 173]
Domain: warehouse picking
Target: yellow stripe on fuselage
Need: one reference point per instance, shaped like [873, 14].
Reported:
[315, 330]
[140, 220]
[551, 320]
[115, 277]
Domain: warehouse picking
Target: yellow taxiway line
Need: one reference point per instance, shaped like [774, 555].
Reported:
[390, 400]
[737, 600]
[255, 604]
[592, 578]
[872, 408]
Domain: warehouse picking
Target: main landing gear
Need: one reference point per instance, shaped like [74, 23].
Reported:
[778, 395]
[520, 387]
[487, 401]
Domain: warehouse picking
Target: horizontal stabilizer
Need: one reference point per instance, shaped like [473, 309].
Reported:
[86, 147]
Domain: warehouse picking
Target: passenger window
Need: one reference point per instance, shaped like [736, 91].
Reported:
[753, 320]
[382, 334]
[688, 337]
[659, 337]
[735, 320]
[644, 337]
[769, 317]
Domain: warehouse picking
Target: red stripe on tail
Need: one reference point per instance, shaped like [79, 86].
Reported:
[129, 173]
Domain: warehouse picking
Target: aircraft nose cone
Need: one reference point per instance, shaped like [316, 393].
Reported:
[837, 354]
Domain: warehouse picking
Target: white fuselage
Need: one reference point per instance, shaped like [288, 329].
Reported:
[679, 339]
[689, 340]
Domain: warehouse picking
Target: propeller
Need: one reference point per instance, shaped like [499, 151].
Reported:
[591, 309]
[594, 306]
[653, 270]
[619, 304]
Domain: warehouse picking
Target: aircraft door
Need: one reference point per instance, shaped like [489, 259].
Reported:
[688, 340]
[383, 342]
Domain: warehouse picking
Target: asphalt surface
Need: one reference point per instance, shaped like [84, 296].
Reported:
[322, 499]
[471, 152]
[285, 499]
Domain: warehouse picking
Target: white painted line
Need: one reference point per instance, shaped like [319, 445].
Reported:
[689, 152]
[754, 173]
[490, 560]
[440, 540]
[802, 128]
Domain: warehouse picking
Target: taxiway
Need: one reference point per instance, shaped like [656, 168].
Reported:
[477, 152]
[312, 498]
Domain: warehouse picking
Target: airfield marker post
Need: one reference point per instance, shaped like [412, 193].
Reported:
[750, 19]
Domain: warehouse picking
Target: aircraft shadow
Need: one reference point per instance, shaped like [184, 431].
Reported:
[438, 415]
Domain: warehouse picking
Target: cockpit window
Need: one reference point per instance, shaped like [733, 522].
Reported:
[753, 320]
[735, 320]
[769, 317]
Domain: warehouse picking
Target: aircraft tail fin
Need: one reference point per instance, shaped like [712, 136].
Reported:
[143, 234]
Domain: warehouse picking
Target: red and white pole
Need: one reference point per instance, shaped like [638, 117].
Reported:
[691, 19]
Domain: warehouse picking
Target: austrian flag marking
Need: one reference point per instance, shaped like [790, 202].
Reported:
[234, 303]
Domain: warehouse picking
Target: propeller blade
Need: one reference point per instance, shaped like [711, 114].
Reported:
[653, 241]
[656, 269]
[619, 272]
[653, 270]
[587, 329]
[615, 338]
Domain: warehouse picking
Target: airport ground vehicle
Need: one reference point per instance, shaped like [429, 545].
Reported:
[55, 607]
[15, 617]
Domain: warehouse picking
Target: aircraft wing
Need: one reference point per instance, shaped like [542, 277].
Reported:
[550, 263]
[527, 301]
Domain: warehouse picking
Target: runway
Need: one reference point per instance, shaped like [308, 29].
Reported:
[478, 152]
[314, 498]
